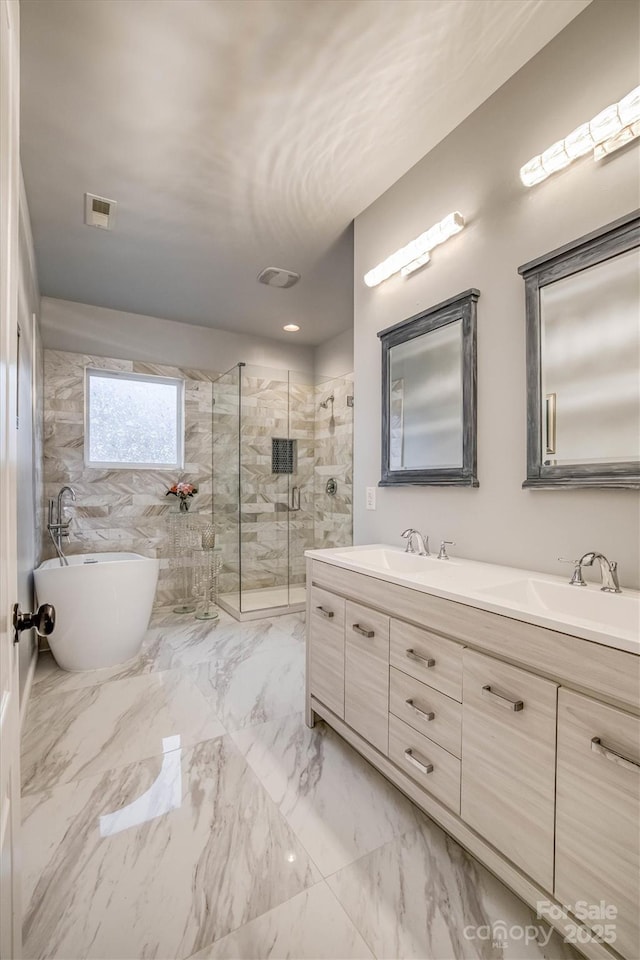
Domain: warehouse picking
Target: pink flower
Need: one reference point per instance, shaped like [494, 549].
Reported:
[182, 490]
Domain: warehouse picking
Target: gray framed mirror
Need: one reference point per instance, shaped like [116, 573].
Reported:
[583, 361]
[429, 396]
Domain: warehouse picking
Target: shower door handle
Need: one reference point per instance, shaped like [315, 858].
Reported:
[295, 498]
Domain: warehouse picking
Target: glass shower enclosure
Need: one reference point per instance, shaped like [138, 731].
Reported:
[282, 481]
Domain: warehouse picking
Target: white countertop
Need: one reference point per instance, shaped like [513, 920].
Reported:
[612, 619]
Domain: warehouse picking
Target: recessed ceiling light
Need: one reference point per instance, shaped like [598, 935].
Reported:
[291, 327]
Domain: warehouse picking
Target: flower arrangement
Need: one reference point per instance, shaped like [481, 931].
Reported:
[183, 491]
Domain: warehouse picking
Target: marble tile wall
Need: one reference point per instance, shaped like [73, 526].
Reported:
[119, 510]
[333, 440]
[126, 510]
[274, 537]
[226, 476]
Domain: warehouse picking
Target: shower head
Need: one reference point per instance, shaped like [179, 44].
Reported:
[325, 403]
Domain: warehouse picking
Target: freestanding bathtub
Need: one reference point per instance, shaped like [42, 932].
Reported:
[103, 603]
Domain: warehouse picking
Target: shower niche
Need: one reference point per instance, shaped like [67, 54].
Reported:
[278, 437]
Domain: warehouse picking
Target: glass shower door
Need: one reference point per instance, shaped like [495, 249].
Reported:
[264, 489]
[301, 482]
[226, 483]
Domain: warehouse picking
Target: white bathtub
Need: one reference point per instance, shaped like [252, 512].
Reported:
[103, 603]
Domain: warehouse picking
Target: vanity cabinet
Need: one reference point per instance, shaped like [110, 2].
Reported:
[423, 760]
[427, 657]
[522, 742]
[326, 648]
[597, 816]
[509, 753]
[426, 710]
[366, 681]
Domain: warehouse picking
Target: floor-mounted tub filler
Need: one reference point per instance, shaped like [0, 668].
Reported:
[103, 604]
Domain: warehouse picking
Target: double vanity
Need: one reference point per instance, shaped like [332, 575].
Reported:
[505, 704]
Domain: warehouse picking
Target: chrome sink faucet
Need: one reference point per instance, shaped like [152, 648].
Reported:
[416, 542]
[608, 571]
[57, 526]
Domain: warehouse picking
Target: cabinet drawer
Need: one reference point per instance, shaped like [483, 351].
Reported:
[427, 763]
[597, 814]
[508, 761]
[326, 649]
[366, 706]
[427, 657]
[426, 710]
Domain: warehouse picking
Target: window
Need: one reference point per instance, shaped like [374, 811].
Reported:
[133, 421]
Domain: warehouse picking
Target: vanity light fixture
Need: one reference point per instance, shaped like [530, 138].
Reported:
[613, 127]
[417, 253]
[291, 327]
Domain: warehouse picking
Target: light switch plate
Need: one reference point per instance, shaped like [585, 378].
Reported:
[371, 498]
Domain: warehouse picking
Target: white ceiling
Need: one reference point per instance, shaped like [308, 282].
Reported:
[240, 134]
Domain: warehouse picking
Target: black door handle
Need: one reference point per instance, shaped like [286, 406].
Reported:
[43, 620]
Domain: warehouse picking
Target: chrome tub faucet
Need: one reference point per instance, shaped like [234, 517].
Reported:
[57, 526]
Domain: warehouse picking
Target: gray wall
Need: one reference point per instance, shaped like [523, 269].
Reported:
[30, 431]
[334, 358]
[81, 328]
[592, 63]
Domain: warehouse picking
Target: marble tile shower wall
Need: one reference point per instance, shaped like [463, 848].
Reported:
[120, 510]
[226, 476]
[273, 536]
[126, 510]
[333, 442]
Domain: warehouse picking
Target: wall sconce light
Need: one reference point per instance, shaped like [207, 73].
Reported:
[417, 253]
[615, 126]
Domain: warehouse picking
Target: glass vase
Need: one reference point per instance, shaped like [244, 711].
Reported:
[181, 559]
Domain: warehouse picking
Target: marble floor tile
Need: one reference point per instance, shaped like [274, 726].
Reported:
[422, 896]
[291, 623]
[156, 859]
[50, 678]
[164, 616]
[72, 734]
[202, 642]
[310, 926]
[336, 803]
[248, 690]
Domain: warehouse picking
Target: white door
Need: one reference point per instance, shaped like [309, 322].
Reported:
[10, 909]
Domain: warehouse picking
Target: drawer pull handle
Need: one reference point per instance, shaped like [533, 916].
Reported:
[422, 767]
[427, 661]
[421, 713]
[326, 613]
[363, 630]
[612, 755]
[505, 702]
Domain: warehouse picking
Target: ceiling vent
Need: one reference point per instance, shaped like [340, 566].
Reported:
[277, 277]
[99, 212]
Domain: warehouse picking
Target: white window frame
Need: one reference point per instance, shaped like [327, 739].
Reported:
[146, 378]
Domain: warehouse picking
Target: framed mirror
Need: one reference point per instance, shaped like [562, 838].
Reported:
[583, 361]
[429, 396]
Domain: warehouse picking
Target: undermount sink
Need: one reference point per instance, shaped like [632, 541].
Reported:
[563, 600]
